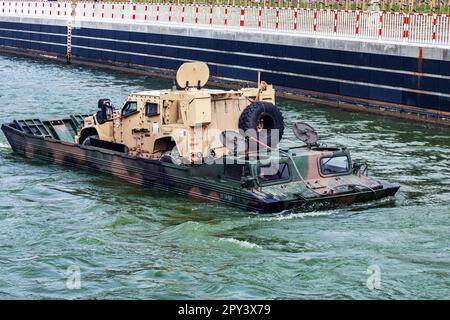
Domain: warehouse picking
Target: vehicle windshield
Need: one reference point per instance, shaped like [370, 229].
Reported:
[274, 172]
[334, 165]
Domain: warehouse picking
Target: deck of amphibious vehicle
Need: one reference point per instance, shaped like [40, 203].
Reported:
[216, 145]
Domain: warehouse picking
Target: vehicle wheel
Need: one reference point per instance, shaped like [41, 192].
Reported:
[87, 141]
[263, 117]
[172, 156]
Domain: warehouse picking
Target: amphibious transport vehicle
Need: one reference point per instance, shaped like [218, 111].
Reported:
[215, 145]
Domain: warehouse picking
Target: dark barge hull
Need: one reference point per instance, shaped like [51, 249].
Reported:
[165, 176]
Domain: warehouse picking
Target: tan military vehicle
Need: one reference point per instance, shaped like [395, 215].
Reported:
[188, 121]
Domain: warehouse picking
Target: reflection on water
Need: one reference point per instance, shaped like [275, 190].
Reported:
[135, 243]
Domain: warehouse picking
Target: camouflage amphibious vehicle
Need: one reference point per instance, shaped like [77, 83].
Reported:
[215, 145]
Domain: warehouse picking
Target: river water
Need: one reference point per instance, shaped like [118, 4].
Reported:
[128, 242]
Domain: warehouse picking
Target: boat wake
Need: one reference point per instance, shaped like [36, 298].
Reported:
[241, 243]
[290, 216]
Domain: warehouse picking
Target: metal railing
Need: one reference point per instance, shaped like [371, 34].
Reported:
[359, 24]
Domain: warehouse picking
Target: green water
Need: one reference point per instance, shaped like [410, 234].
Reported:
[134, 243]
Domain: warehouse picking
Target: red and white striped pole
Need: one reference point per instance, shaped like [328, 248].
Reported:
[241, 22]
[226, 16]
[170, 13]
[182, 13]
[357, 23]
[259, 17]
[123, 10]
[434, 28]
[315, 20]
[380, 27]
[295, 19]
[112, 11]
[335, 22]
[157, 13]
[145, 14]
[277, 22]
[406, 27]
[196, 13]
[210, 14]
[133, 15]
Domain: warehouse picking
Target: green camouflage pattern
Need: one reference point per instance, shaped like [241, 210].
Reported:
[305, 187]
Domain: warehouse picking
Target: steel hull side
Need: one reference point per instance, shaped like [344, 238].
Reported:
[141, 172]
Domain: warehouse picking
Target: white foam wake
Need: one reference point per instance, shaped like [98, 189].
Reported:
[241, 243]
[296, 215]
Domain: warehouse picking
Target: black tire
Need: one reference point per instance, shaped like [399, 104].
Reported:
[265, 113]
[173, 156]
[87, 141]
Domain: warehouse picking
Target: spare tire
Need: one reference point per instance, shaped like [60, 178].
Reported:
[263, 117]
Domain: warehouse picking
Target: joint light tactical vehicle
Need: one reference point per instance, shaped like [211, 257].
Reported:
[216, 145]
